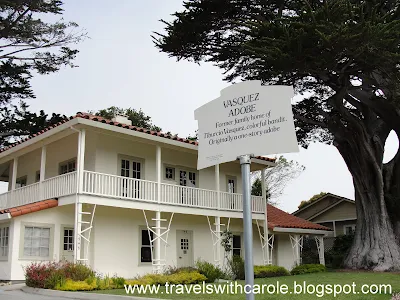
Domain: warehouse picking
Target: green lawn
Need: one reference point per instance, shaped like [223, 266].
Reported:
[332, 278]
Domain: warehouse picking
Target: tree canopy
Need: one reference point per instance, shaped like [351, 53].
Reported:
[276, 178]
[343, 57]
[304, 203]
[138, 117]
[30, 46]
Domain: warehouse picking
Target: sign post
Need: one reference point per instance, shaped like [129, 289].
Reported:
[247, 119]
[245, 161]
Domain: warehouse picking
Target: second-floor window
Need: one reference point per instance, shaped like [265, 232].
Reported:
[231, 185]
[20, 182]
[67, 167]
[131, 168]
[187, 178]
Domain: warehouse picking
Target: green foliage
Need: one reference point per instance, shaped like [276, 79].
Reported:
[30, 46]
[256, 187]
[118, 282]
[226, 240]
[73, 286]
[182, 277]
[309, 268]
[173, 270]
[341, 246]
[269, 271]
[138, 117]
[210, 271]
[236, 265]
[311, 200]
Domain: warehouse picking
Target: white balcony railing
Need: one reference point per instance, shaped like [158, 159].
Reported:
[54, 187]
[120, 187]
[136, 189]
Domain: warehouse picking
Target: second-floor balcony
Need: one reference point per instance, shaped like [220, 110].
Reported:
[129, 189]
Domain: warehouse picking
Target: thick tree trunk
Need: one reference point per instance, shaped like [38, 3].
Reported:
[375, 244]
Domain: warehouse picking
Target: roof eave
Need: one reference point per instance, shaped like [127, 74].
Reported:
[301, 230]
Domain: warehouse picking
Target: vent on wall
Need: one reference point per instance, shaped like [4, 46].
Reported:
[122, 119]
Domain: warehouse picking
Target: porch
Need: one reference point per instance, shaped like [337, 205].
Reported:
[129, 189]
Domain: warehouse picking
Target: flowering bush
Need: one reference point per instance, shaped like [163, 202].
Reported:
[48, 275]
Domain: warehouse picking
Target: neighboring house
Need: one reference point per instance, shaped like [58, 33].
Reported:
[337, 213]
[129, 201]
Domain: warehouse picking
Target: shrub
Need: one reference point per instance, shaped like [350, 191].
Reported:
[309, 268]
[341, 245]
[39, 274]
[182, 277]
[48, 275]
[236, 264]
[173, 270]
[71, 285]
[269, 271]
[118, 282]
[209, 270]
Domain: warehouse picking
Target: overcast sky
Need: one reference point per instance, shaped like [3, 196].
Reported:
[120, 66]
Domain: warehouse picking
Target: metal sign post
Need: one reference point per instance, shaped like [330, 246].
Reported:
[245, 161]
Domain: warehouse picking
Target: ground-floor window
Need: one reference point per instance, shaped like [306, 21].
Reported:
[4, 238]
[237, 245]
[36, 241]
[145, 245]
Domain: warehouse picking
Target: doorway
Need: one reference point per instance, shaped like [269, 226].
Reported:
[184, 240]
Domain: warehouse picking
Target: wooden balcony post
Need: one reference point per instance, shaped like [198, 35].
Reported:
[14, 173]
[81, 159]
[217, 186]
[42, 172]
[158, 212]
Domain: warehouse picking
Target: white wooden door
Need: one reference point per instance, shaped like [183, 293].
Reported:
[68, 244]
[184, 239]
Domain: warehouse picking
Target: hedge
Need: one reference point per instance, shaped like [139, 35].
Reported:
[269, 271]
[308, 268]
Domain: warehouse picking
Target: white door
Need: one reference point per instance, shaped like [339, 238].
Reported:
[184, 248]
[68, 244]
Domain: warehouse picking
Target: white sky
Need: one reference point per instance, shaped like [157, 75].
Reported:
[120, 66]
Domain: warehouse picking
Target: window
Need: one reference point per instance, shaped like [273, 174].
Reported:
[187, 178]
[231, 184]
[68, 239]
[37, 176]
[68, 167]
[4, 236]
[20, 182]
[349, 229]
[130, 168]
[237, 245]
[170, 173]
[145, 246]
[36, 241]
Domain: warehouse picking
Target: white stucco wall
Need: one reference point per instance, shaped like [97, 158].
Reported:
[56, 217]
[115, 244]
[283, 251]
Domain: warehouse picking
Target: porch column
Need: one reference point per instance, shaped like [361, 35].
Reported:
[158, 213]
[334, 228]
[297, 244]
[42, 171]
[218, 245]
[81, 158]
[217, 186]
[321, 249]
[14, 173]
[78, 204]
[264, 195]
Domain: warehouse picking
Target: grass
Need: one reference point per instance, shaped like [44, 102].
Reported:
[342, 278]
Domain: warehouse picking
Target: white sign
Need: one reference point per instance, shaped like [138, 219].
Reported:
[248, 118]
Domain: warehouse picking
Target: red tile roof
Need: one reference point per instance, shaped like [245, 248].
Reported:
[109, 122]
[29, 208]
[279, 218]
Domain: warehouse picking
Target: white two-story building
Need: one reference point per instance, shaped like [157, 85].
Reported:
[129, 201]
